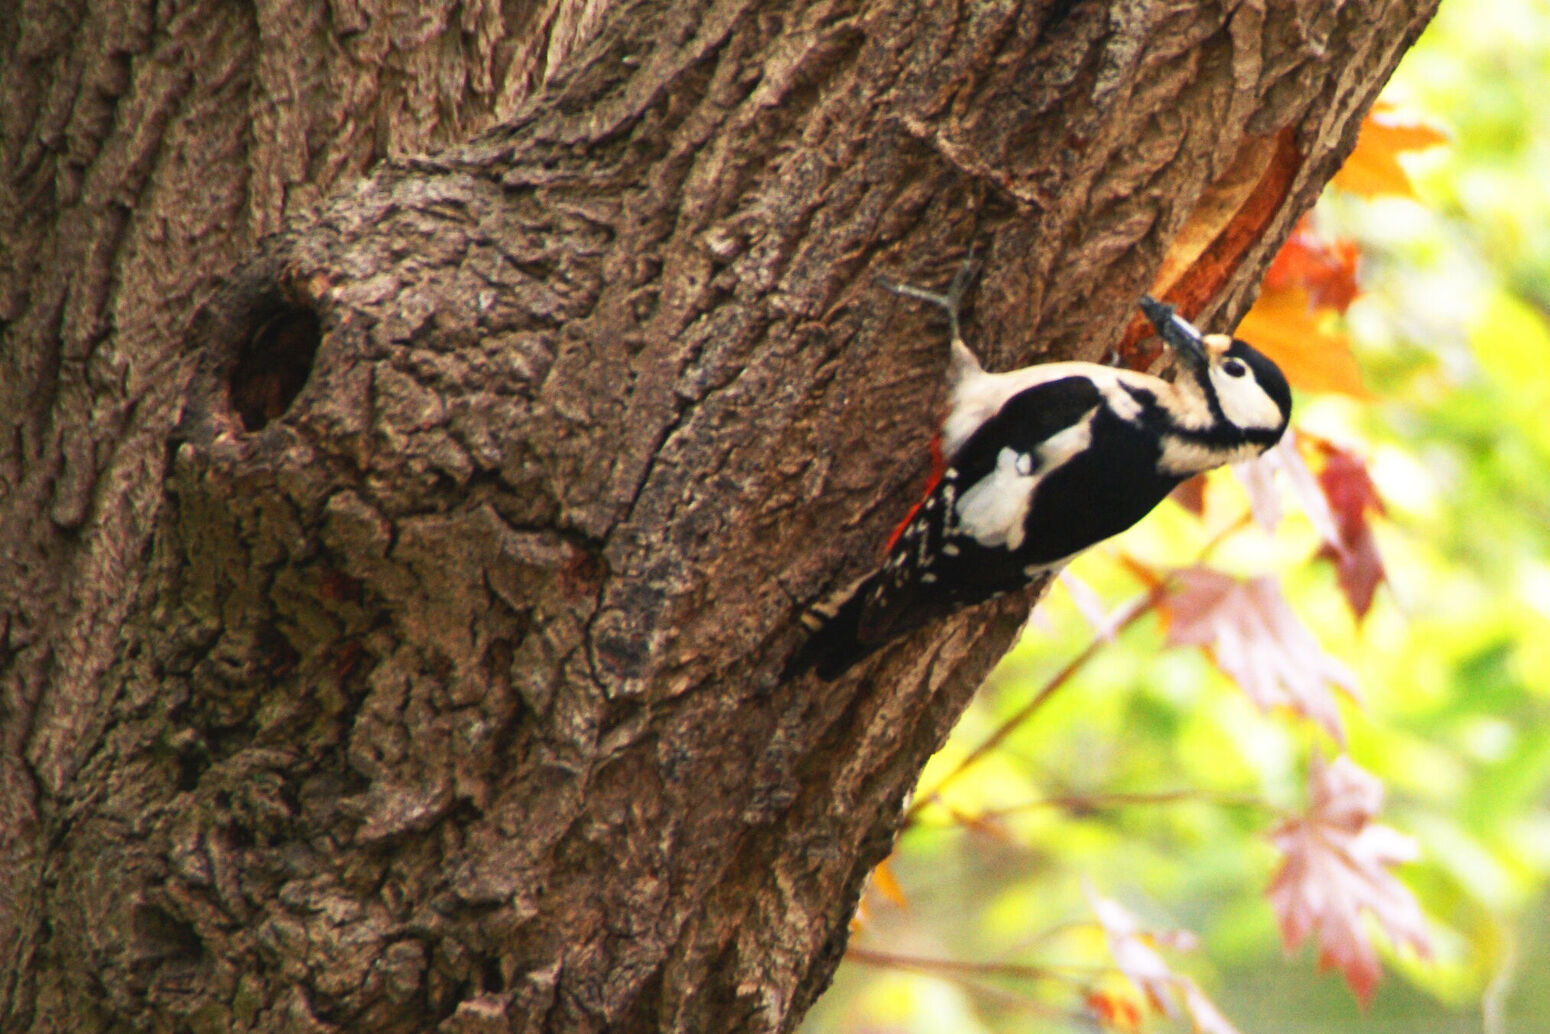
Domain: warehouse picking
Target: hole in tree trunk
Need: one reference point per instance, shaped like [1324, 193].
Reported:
[491, 979]
[272, 366]
[160, 938]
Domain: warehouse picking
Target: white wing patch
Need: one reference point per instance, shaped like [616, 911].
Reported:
[995, 510]
[992, 511]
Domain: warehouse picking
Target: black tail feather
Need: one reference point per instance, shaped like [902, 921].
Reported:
[835, 645]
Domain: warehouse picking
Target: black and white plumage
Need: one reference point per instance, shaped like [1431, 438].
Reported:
[1043, 462]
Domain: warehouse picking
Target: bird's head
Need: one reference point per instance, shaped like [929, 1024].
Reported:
[1240, 384]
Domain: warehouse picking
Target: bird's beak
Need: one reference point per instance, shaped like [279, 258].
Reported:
[1177, 332]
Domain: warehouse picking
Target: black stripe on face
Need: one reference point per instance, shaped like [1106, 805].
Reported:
[1229, 436]
[1265, 439]
[1202, 377]
[1221, 434]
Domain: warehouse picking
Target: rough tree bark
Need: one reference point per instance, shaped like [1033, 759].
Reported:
[389, 633]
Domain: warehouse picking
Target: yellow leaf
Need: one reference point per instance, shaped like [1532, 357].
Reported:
[1373, 167]
[1286, 327]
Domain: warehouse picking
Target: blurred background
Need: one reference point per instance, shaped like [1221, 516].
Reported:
[1140, 773]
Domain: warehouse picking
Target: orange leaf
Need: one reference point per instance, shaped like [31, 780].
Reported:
[1115, 1011]
[880, 883]
[1373, 167]
[884, 882]
[1286, 327]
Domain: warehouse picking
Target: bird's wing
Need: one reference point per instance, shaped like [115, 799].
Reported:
[984, 495]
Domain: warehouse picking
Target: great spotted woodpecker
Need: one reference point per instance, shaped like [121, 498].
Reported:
[1040, 464]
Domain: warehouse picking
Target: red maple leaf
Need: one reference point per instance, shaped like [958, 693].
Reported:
[1324, 266]
[1354, 551]
[1253, 635]
[1191, 495]
[1336, 867]
[1359, 570]
[1348, 487]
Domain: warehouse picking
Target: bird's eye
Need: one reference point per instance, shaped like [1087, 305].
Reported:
[1234, 368]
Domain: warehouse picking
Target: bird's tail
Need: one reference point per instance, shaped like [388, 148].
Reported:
[835, 643]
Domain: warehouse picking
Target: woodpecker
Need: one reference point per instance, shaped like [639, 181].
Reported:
[1041, 463]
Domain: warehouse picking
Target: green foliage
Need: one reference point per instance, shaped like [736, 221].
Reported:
[1149, 777]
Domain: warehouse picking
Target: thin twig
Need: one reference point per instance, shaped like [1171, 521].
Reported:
[1138, 607]
[967, 974]
[1066, 973]
[1105, 802]
[1158, 587]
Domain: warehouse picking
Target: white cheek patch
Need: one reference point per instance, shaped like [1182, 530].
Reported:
[995, 510]
[1182, 457]
[1244, 402]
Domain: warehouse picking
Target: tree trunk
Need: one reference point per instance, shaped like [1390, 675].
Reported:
[393, 645]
